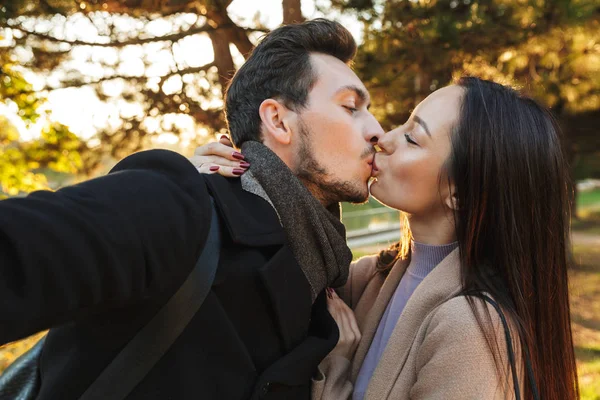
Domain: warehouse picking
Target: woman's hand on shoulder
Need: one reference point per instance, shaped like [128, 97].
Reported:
[219, 158]
[344, 317]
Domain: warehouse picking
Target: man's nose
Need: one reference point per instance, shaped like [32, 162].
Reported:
[373, 131]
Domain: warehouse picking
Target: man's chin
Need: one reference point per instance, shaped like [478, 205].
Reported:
[358, 201]
[330, 192]
[360, 196]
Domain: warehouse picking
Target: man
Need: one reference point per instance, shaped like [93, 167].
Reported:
[96, 261]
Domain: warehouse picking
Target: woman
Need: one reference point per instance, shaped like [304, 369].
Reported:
[478, 173]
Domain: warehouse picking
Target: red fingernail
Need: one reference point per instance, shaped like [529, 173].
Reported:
[238, 155]
[214, 168]
[244, 164]
[224, 137]
[238, 171]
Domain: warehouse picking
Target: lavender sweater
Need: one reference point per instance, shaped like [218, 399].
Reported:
[423, 260]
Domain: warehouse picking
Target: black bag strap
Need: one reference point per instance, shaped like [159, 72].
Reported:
[136, 359]
[511, 351]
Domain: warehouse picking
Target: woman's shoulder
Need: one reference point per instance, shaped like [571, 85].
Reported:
[455, 351]
[473, 319]
[463, 310]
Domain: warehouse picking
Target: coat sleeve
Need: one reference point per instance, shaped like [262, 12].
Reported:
[332, 381]
[105, 243]
[454, 360]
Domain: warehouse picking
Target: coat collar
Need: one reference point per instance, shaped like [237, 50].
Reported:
[250, 220]
[441, 284]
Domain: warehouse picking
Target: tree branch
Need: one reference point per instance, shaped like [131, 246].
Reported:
[76, 84]
[292, 12]
[118, 44]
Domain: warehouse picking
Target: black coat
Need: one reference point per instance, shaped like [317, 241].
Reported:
[96, 261]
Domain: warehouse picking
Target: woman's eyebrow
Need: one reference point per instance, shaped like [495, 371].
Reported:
[419, 121]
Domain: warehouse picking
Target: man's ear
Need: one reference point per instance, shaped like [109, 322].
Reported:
[275, 119]
[451, 200]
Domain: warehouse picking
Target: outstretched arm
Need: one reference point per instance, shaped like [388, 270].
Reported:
[107, 242]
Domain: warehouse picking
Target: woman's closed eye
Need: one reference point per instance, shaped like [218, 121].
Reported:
[410, 140]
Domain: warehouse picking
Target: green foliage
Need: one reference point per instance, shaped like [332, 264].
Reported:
[15, 89]
[20, 163]
[16, 174]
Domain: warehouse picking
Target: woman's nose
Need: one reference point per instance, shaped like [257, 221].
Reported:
[385, 143]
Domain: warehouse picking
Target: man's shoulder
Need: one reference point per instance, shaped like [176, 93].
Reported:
[251, 220]
[166, 168]
[164, 161]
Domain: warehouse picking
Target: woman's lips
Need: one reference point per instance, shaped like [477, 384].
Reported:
[374, 168]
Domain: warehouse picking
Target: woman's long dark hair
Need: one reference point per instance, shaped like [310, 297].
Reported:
[512, 225]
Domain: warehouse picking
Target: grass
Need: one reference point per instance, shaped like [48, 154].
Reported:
[588, 359]
[589, 219]
[585, 314]
[588, 198]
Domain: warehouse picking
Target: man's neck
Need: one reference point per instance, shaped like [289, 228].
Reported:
[317, 193]
[289, 158]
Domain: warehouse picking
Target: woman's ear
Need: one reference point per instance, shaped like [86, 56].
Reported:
[451, 200]
[275, 121]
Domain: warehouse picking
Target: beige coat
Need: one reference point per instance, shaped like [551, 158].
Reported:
[436, 351]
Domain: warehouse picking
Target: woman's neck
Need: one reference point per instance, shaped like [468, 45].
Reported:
[432, 230]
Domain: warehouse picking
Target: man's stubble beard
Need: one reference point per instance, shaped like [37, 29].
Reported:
[319, 182]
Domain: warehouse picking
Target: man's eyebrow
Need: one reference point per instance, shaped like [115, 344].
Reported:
[360, 92]
[419, 121]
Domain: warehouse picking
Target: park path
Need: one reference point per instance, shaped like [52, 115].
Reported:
[586, 239]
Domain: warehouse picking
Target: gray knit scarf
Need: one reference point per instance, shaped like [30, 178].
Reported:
[315, 233]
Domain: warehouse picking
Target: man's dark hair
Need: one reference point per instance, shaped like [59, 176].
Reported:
[280, 67]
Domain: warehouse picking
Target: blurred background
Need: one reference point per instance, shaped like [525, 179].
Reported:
[85, 83]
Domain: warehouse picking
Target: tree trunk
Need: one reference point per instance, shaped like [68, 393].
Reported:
[292, 12]
[218, 17]
[223, 59]
[240, 39]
